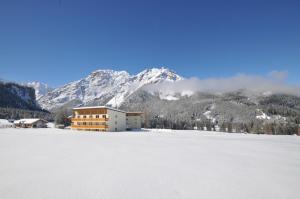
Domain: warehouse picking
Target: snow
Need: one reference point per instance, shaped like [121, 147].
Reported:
[54, 163]
[207, 114]
[267, 93]
[41, 89]
[5, 123]
[262, 116]
[168, 97]
[279, 117]
[50, 125]
[187, 93]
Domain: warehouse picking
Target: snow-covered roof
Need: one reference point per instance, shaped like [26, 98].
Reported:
[28, 120]
[93, 107]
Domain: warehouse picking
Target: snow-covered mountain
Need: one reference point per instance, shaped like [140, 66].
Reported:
[40, 88]
[105, 87]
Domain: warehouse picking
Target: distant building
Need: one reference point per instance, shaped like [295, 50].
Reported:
[134, 120]
[31, 123]
[103, 118]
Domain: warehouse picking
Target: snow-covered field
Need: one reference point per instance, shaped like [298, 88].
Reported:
[53, 163]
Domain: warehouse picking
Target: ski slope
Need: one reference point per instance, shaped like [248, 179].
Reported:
[60, 164]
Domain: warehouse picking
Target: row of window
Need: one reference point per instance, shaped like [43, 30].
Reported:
[96, 116]
[90, 123]
[91, 116]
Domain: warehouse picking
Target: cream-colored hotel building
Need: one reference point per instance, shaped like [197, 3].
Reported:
[102, 118]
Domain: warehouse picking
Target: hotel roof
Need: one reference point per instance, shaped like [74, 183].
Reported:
[95, 107]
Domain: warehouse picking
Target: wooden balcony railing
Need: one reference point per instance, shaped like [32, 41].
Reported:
[89, 119]
[89, 126]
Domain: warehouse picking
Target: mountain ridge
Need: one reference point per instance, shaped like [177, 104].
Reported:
[105, 86]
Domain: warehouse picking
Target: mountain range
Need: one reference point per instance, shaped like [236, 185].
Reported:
[104, 87]
[180, 109]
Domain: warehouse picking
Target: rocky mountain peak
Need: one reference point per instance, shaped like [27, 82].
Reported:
[40, 88]
[105, 87]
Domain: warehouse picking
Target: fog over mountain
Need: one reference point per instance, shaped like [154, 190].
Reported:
[272, 83]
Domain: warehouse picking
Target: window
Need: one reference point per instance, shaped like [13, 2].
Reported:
[84, 116]
[84, 123]
[116, 129]
[97, 116]
[104, 116]
[116, 122]
[78, 116]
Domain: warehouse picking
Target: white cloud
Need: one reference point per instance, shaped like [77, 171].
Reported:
[253, 83]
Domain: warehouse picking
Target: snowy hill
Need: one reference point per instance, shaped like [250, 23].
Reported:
[276, 113]
[104, 87]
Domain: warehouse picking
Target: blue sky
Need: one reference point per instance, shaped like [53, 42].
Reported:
[58, 41]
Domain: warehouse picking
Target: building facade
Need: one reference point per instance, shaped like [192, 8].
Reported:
[134, 120]
[98, 118]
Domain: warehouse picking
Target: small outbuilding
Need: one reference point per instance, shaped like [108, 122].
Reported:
[31, 123]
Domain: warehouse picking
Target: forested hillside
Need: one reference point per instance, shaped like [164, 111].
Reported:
[231, 112]
[18, 101]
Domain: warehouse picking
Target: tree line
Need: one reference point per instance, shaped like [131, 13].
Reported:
[254, 127]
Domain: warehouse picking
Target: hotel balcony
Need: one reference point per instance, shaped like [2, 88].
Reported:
[89, 126]
[89, 119]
